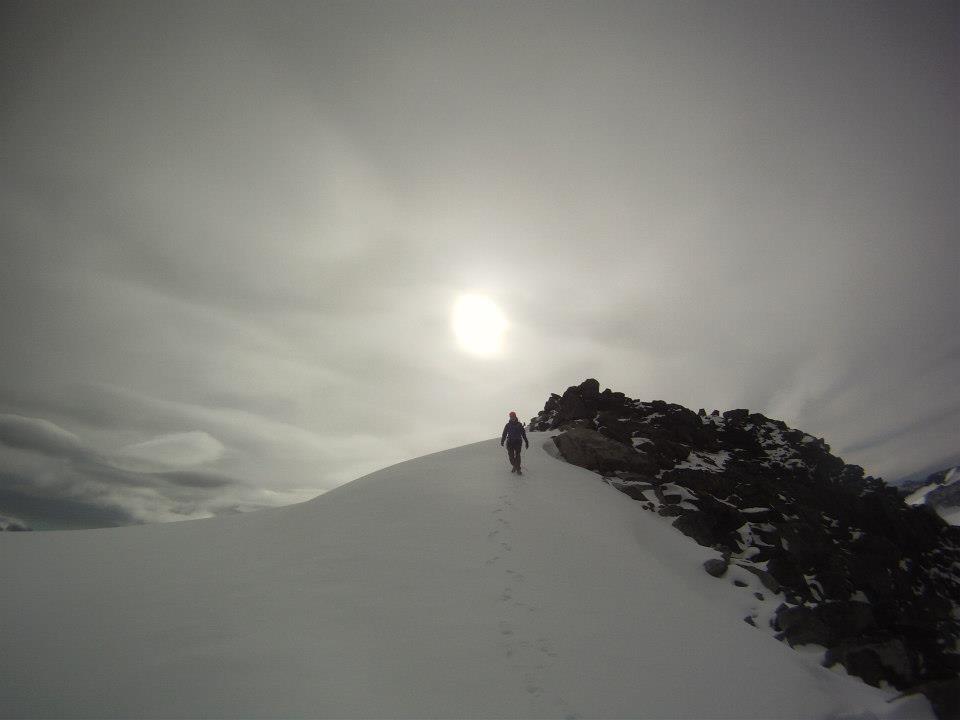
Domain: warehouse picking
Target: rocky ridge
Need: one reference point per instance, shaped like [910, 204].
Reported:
[851, 566]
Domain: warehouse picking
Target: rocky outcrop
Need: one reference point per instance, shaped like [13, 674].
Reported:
[873, 580]
[595, 451]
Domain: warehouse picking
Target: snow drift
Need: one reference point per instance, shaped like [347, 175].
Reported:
[440, 587]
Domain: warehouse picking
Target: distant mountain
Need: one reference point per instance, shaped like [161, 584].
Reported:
[12, 524]
[854, 569]
[939, 490]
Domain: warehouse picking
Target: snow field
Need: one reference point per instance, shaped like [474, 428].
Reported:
[441, 587]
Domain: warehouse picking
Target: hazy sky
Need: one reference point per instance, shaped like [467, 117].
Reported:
[232, 233]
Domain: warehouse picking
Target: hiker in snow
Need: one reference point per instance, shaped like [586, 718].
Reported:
[514, 434]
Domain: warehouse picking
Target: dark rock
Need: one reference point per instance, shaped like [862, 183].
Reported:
[667, 498]
[634, 490]
[579, 402]
[671, 511]
[739, 583]
[701, 527]
[775, 497]
[736, 417]
[572, 406]
[769, 582]
[808, 542]
[800, 625]
[716, 567]
[944, 697]
[889, 660]
[825, 624]
[784, 570]
[592, 450]
[590, 391]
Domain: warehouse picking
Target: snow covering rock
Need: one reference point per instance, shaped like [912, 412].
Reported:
[940, 491]
[440, 587]
[857, 570]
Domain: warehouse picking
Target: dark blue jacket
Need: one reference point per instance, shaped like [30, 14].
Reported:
[513, 430]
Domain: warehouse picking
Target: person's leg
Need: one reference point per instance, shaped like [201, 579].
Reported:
[513, 449]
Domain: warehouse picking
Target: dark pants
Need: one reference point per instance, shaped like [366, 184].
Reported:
[513, 451]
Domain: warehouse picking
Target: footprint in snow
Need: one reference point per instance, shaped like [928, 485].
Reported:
[544, 646]
[532, 686]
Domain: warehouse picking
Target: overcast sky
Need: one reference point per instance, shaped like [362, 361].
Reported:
[232, 234]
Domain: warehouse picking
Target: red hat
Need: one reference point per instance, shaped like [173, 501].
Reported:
[512, 414]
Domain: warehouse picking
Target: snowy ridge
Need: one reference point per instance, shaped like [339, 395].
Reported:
[440, 587]
[941, 492]
[845, 565]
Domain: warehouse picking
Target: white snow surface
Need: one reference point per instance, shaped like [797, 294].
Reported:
[702, 460]
[919, 496]
[441, 587]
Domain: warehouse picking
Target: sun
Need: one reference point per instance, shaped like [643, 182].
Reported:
[478, 325]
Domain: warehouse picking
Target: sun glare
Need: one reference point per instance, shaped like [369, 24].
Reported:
[478, 325]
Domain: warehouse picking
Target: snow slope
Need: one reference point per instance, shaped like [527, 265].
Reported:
[951, 512]
[440, 587]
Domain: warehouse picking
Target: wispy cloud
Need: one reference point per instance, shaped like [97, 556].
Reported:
[53, 480]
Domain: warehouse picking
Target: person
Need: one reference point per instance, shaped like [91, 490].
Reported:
[514, 434]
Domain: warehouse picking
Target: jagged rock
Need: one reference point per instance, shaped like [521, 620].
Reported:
[944, 697]
[707, 529]
[783, 569]
[716, 567]
[769, 582]
[668, 498]
[590, 391]
[890, 661]
[579, 402]
[817, 531]
[635, 490]
[594, 451]
[800, 625]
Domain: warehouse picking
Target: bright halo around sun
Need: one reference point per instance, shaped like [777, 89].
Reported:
[478, 325]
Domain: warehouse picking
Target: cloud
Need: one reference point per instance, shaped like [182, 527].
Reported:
[8, 522]
[51, 479]
[186, 478]
[39, 435]
[263, 244]
[170, 452]
[55, 507]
